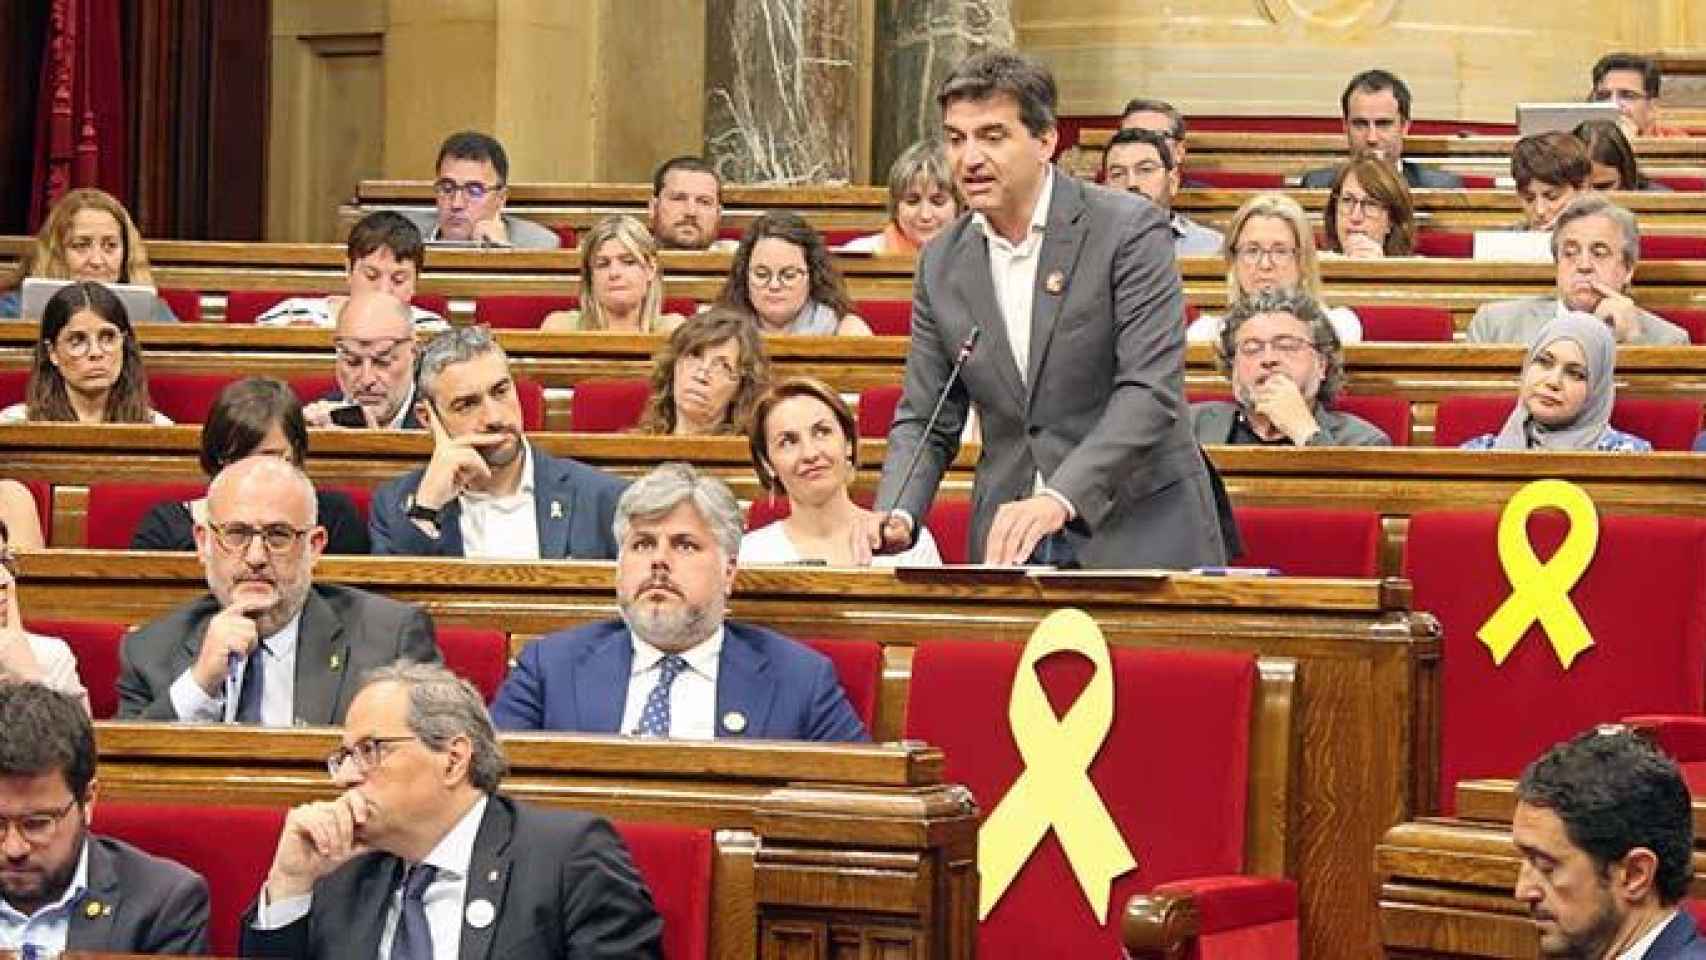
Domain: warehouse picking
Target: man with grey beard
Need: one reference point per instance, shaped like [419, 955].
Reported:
[672, 666]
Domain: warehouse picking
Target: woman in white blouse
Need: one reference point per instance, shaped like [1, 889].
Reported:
[29, 657]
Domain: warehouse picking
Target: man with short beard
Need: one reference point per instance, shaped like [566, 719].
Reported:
[672, 666]
[487, 492]
[267, 644]
[686, 208]
[62, 888]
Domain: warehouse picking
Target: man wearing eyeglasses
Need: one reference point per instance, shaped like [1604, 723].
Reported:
[1138, 161]
[1376, 111]
[421, 858]
[61, 887]
[374, 367]
[266, 645]
[471, 187]
[1632, 82]
[1159, 116]
[385, 255]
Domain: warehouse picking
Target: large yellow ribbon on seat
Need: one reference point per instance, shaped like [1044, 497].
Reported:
[1054, 790]
[1541, 591]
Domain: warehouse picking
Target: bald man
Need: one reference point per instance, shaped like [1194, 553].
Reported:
[266, 645]
[374, 367]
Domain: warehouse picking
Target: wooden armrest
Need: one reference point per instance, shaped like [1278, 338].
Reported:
[1160, 926]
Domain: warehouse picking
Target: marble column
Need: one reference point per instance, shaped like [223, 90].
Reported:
[918, 42]
[782, 89]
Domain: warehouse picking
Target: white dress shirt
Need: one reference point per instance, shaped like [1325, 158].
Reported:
[1014, 270]
[1639, 948]
[443, 899]
[502, 527]
[47, 928]
[693, 695]
[278, 685]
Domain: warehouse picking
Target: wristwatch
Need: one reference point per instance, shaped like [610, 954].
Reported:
[419, 511]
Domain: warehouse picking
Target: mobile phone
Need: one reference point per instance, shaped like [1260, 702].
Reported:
[349, 415]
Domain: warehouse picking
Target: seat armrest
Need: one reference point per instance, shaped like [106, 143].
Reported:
[1165, 923]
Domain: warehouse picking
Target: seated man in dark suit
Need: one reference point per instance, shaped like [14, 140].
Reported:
[374, 367]
[267, 645]
[1606, 833]
[472, 186]
[673, 666]
[1376, 108]
[420, 857]
[62, 888]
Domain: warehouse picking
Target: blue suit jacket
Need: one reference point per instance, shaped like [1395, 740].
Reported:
[574, 505]
[577, 681]
[1680, 940]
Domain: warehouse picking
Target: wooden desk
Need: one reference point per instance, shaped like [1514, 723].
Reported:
[1462, 210]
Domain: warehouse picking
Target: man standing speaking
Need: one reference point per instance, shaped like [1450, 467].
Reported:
[1076, 369]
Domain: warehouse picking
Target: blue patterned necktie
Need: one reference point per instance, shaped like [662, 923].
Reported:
[254, 675]
[413, 938]
[654, 719]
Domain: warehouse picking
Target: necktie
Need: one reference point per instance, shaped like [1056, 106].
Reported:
[249, 700]
[654, 719]
[413, 939]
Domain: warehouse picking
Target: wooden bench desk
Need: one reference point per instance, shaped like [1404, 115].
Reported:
[1462, 210]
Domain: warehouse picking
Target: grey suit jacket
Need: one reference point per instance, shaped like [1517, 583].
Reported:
[1415, 175]
[1214, 419]
[1101, 410]
[562, 882]
[139, 904]
[344, 633]
[523, 233]
[1517, 321]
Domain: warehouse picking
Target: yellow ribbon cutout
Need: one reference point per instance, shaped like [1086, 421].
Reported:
[1541, 591]
[1054, 790]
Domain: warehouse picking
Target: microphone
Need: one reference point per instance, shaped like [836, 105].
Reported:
[960, 359]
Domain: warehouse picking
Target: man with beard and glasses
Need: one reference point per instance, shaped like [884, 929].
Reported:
[267, 644]
[488, 493]
[374, 367]
[62, 888]
[672, 666]
[1606, 832]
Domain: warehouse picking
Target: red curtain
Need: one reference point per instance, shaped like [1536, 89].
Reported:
[82, 114]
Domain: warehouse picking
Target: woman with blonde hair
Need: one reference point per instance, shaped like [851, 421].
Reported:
[621, 290]
[87, 236]
[1270, 245]
[707, 377]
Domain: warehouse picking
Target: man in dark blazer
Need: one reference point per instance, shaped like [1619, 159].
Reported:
[487, 492]
[673, 666]
[374, 367]
[1078, 377]
[130, 902]
[1376, 110]
[1605, 828]
[266, 645]
[421, 857]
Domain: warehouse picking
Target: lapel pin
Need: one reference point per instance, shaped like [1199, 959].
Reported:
[481, 913]
[92, 909]
[734, 721]
[1055, 282]
[492, 877]
[336, 663]
[556, 510]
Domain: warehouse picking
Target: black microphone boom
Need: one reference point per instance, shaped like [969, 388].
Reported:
[930, 424]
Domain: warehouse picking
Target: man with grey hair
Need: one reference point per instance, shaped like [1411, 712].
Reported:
[487, 492]
[672, 666]
[267, 644]
[1286, 366]
[1596, 245]
[421, 857]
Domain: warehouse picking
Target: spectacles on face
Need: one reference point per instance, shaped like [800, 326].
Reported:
[382, 358]
[367, 753]
[1363, 206]
[1623, 97]
[77, 343]
[787, 276]
[716, 367]
[36, 828]
[1252, 254]
[278, 538]
[473, 189]
[1285, 344]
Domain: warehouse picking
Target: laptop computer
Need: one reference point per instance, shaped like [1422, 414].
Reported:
[139, 301]
[1533, 118]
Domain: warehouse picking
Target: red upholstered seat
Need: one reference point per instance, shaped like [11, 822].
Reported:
[859, 667]
[311, 387]
[1390, 414]
[1642, 598]
[683, 306]
[1694, 321]
[14, 386]
[532, 396]
[608, 406]
[1445, 243]
[1478, 181]
[187, 397]
[243, 306]
[1681, 736]
[96, 644]
[876, 410]
[1667, 424]
[1660, 246]
[518, 311]
[1311, 543]
[888, 318]
[361, 496]
[949, 521]
[1687, 184]
[116, 509]
[838, 238]
[185, 304]
[42, 493]
[1237, 179]
[478, 654]
[436, 302]
[675, 862]
[1405, 323]
[1172, 773]
[230, 846]
[566, 236]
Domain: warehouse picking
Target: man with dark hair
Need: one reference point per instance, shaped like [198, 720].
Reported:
[472, 185]
[1088, 456]
[420, 856]
[1606, 832]
[62, 888]
[686, 208]
[385, 255]
[1139, 161]
[1376, 110]
[1159, 116]
[1632, 82]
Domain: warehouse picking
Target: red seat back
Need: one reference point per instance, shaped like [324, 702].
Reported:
[187, 397]
[14, 386]
[1667, 424]
[41, 492]
[566, 235]
[1311, 543]
[683, 306]
[96, 645]
[1647, 580]
[1686, 184]
[859, 667]
[361, 496]
[185, 304]
[311, 387]
[1182, 816]
[888, 318]
[243, 306]
[608, 406]
[1390, 414]
[876, 410]
[477, 654]
[230, 846]
[1694, 321]
[1478, 181]
[519, 312]
[116, 509]
[532, 396]
[676, 863]
[1660, 246]
[1237, 179]
[1445, 243]
[436, 302]
[949, 521]
[1405, 323]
